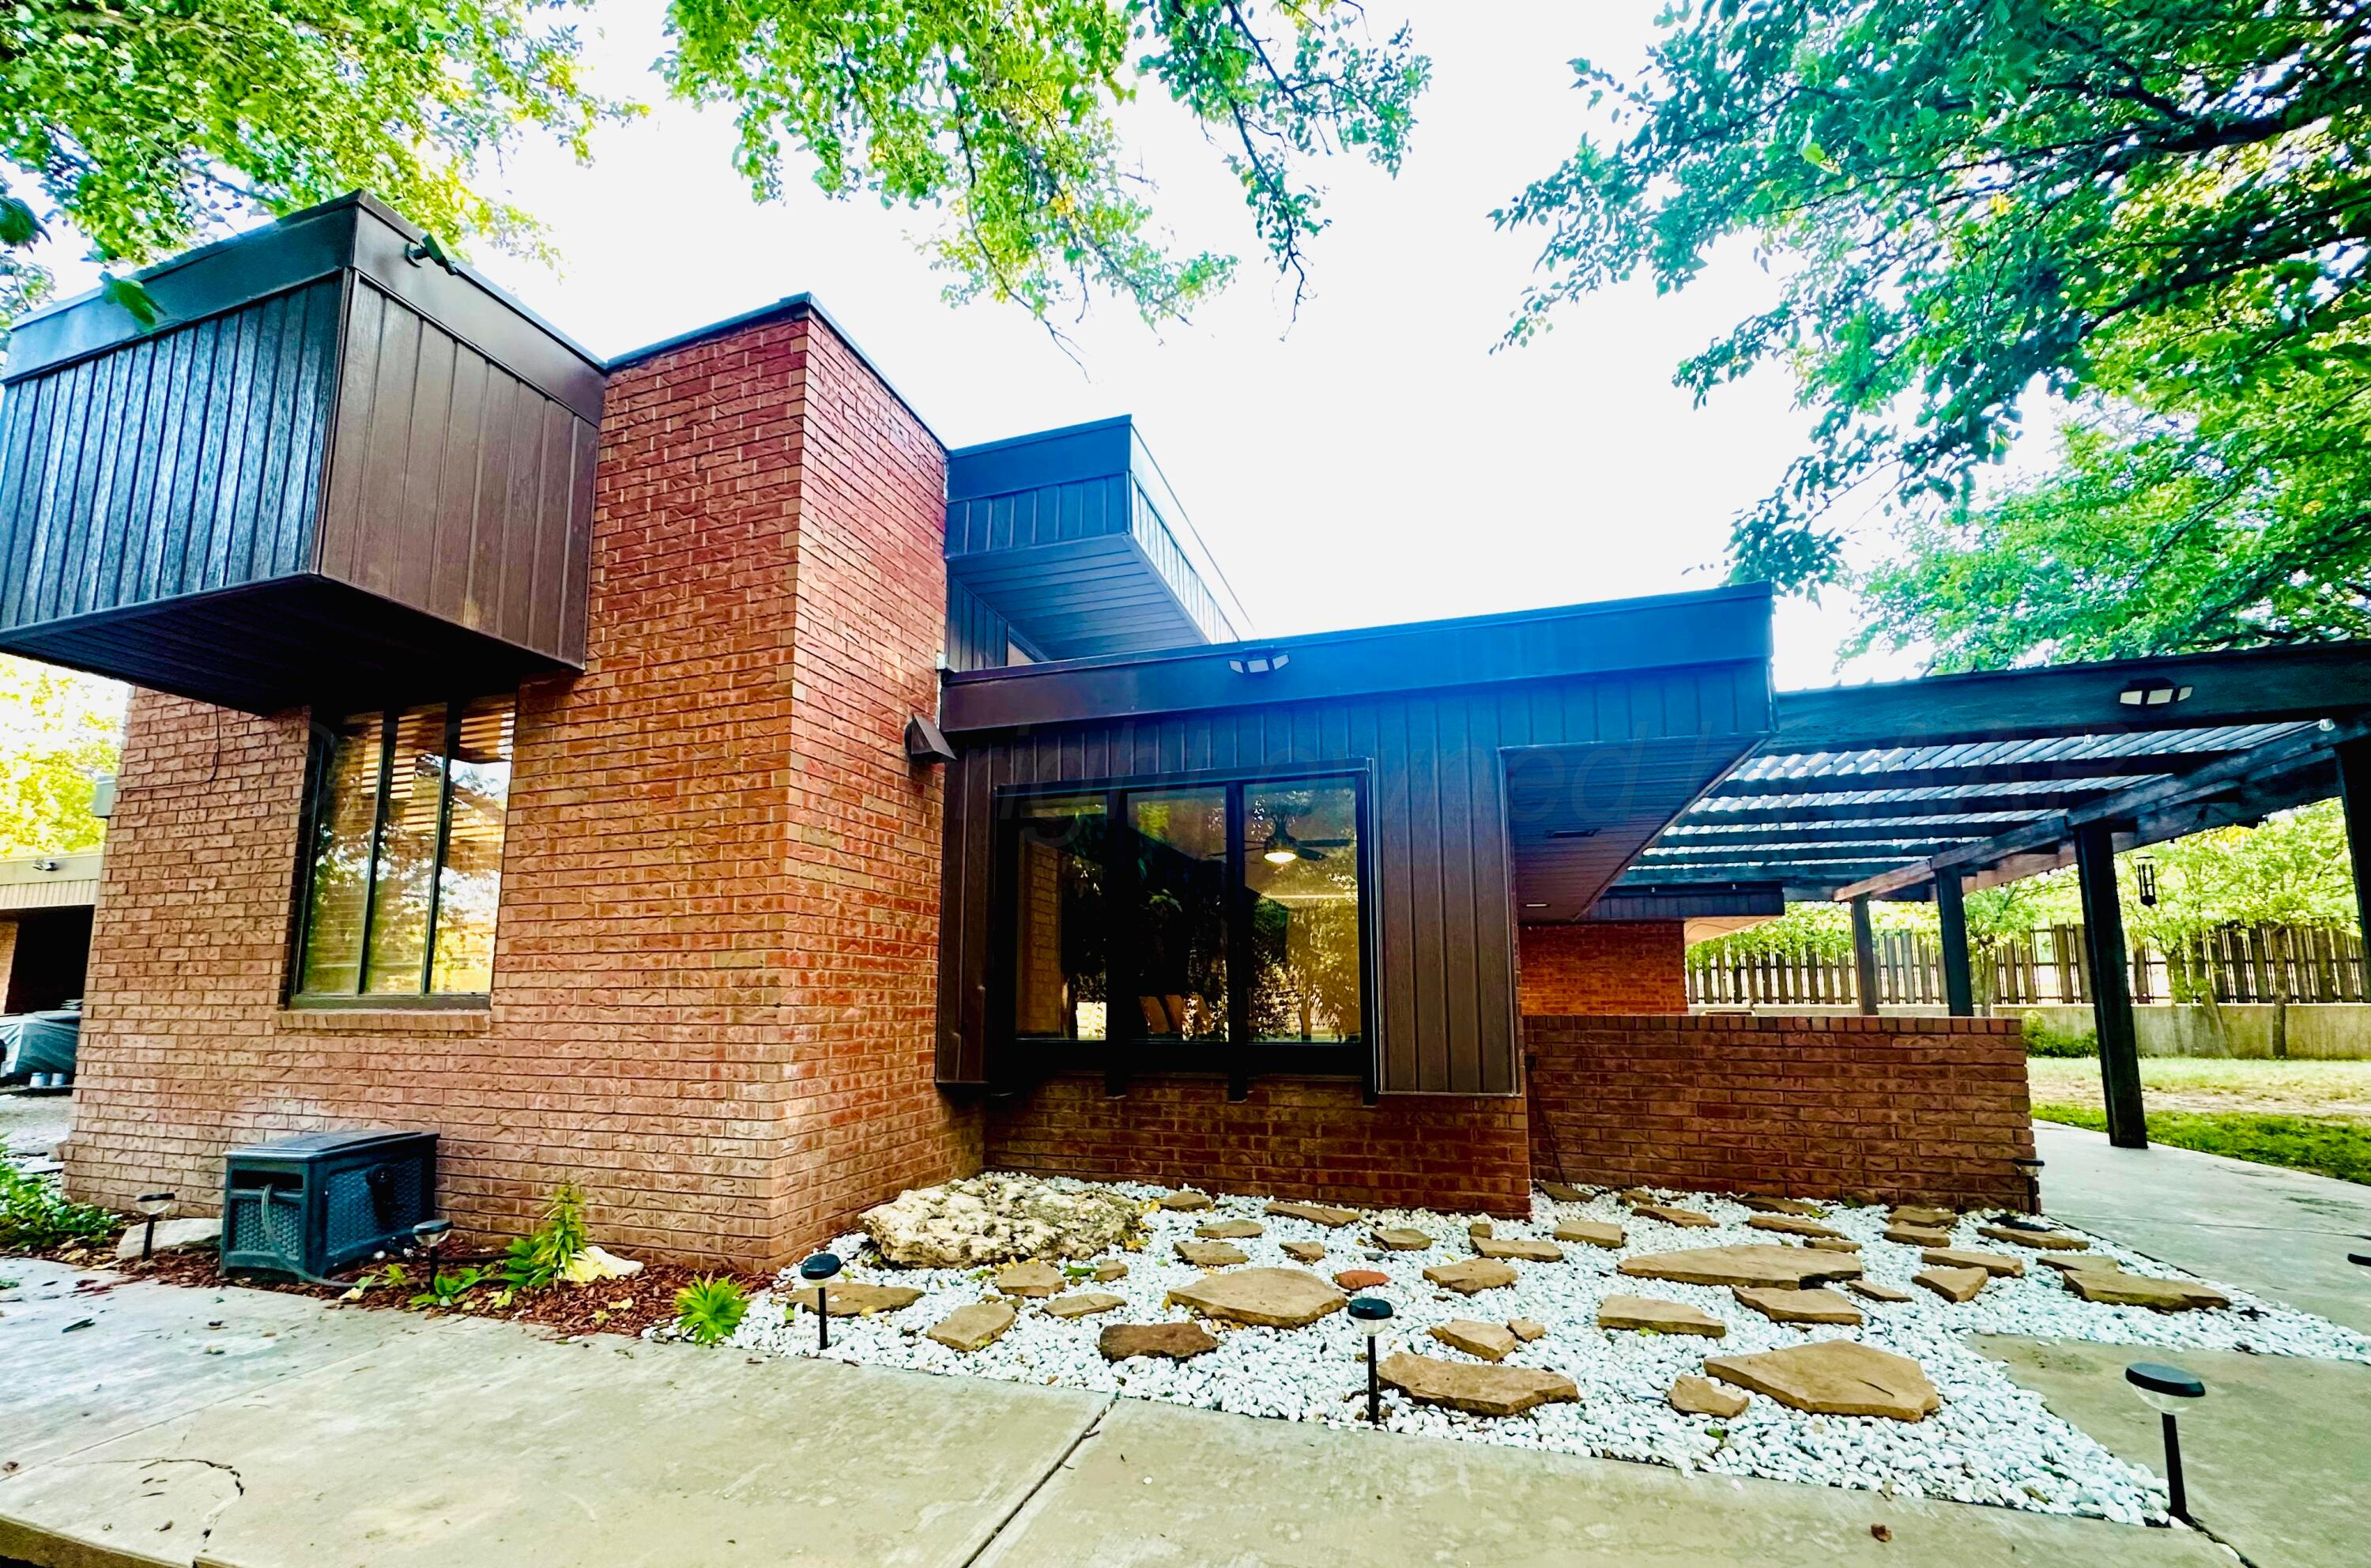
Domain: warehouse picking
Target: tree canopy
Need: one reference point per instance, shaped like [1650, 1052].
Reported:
[58, 732]
[2156, 210]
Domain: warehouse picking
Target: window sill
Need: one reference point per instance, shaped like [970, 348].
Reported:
[385, 1020]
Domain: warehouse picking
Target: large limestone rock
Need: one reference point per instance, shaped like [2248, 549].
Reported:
[1274, 1298]
[1794, 1266]
[1173, 1342]
[1834, 1377]
[1483, 1391]
[1471, 1275]
[1782, 1305]
[974, 1327]
[1793, 1224]
[1663, 1317]
[2121, 1289]
[1316, 1214]
[2047, 1241]
[1955, 1284]
[1230, 1231]
[1701, 1396]
[1591, 1233]
[1971, 1257]
[1083, 1305]
[175, 1234]
[1518, 1247]
[1031, 1279]
[1212, 1254]
[1491, 1342]
[853, 1300]
[992, 1219]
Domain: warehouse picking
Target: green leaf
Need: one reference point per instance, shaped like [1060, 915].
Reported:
[132, 296]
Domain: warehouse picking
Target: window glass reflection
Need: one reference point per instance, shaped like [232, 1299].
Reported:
[1059, 979]
[1300, 864]
[1180, 888]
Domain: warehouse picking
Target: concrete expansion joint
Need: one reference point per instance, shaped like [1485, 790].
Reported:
[1021, 1510]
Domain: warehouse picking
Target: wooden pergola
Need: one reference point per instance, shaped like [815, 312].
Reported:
[1920, 790]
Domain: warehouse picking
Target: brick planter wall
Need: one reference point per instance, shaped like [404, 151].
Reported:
[1891, 1108]
[717, 946]
[1608, 967]
[1298, 1137]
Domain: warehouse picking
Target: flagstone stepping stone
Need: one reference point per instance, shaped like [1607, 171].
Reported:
[1969, 1258]
[1268, 1298]
[1670, 1215]
[1030, 1279]
[172, 1235]
[1230, 1229]
[1833, 1243]
[1803, 1207]
[1784, 1305]
[1528, 1251]
[1491, 1342]
[1952, 1284]
[1753, 1264]
[1874, 1291]
[1316, 1214]
[1563, 1192]
[2046, 1241]
[1593, 1232]
[2068, 1263]
[1792, 1225]
[1701, 1396]
[1479, 1231]
[1663, 1317]
[2118, 1289]
[1361, 1279]
[1834, 1377]
[1637, 1196]
[1471, 1275]
[1212, 1254]
[1525, 1330]
[853, 1300]
[975, 1327]
[1109, 1270]
[1185, 1202]
[1917, 1235]
[1398, 1240]
[1921, 1216]
[1173, 1341]
[1479, 1391]
[1085, 1305]
[1306, 1252]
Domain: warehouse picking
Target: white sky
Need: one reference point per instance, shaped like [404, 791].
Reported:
[1372, 461]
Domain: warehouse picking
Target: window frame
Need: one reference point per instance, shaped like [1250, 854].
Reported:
[320, 749]
[1126, 1050]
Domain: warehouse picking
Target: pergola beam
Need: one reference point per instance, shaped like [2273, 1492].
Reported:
[1687, 835]
[2042, 770]
[2031, 803]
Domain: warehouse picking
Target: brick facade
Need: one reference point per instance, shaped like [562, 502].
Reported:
[1298, 1137]
[1890, 1108]
[716, 948]
[1602, 966]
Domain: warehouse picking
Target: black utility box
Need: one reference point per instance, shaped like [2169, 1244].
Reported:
[312, 1204]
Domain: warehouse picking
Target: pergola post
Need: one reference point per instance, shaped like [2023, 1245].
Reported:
[1863, 954]
[2354, 798]
[1951, 914]
[2111, 996]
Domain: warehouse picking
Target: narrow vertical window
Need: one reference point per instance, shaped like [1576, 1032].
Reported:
[1300, 864]
[1059, 920]
[345, 818]
[1179, 958]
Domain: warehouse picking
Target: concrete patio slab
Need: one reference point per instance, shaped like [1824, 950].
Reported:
[1159, 1486]
[2281, 1233]
[2277, 1456]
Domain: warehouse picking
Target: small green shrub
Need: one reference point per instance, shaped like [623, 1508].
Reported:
[537, 1259]
[2040, 1040]
[708, 1310]
[36, 1215]
[448, 1287]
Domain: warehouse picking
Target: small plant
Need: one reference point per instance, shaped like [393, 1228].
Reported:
[448, 1287]
[2040, 1040]
[535, 1260]
[35, 1214]
[708, 1310]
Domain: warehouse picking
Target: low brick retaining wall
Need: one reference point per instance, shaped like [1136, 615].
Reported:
[1300, 1138]
[1888, 1108]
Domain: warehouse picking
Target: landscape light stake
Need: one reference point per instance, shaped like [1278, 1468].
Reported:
[155, 1205]
[429, 1235]
[820, 1268]
[2165, 1390]
[1371, 1313]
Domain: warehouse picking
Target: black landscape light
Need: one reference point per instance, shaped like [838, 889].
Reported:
[2165, 1390]
[156, 1207]
[820, 1268]
[2031, 1171]
[1371, 1313]
[429, 1235]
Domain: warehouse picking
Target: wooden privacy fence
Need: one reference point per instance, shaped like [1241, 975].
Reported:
[2234, 963]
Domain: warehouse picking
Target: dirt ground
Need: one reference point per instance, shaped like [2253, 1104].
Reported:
[2340, 1090]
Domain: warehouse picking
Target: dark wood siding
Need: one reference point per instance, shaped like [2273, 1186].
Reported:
[1441, 905]
[978, 638]
[188, 461]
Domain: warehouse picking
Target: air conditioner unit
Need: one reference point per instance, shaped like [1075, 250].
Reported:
[317, 1202]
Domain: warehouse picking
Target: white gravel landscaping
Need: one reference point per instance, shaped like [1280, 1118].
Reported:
[1991, 1442]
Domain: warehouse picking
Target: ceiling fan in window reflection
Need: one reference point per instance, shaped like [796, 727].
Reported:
[1283, 848]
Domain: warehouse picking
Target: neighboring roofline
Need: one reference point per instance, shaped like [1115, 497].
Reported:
[1055, 433]
[790, 308]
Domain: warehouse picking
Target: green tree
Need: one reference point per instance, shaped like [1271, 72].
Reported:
[146, 125]
[58, 732]
[2160, 208]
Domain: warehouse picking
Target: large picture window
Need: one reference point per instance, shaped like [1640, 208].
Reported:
[1188, 918]
[404, 862]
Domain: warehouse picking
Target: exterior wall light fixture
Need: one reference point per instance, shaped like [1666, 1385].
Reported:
[2144, 878]
[2165, 1390]
[1258, 662]
[817, 1270]
[1372, 1314]
[2156, 691]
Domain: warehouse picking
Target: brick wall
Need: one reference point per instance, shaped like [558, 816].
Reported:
[717, 939]
[1296, 1138]
[1604, 966]
[1891, 1108]
[7, 953]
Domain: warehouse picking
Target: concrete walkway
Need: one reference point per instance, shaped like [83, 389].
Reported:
[242, 1429]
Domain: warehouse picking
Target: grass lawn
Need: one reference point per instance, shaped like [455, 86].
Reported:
[2309, 1116]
